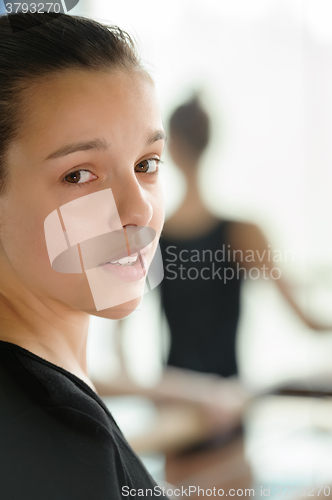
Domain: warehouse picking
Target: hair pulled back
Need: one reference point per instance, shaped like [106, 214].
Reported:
[192, 124]
[42, 44]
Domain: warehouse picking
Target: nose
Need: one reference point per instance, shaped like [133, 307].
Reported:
[132, 202]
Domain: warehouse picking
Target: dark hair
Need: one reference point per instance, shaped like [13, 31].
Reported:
[192, 124]
[42, 44]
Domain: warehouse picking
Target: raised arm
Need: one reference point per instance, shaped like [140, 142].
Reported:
[250, 239]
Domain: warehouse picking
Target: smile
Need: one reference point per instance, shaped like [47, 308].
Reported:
[125, 261]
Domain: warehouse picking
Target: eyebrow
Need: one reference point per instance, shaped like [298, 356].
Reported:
[98, 145]
[157, 136]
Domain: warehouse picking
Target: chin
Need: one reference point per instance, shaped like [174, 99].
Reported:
[118, 312]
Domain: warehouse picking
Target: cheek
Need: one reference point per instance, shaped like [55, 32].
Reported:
[24, 245]
[22, 228]
[26, 255]
[23, 239]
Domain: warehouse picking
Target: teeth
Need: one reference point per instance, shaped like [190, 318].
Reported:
[126, 261]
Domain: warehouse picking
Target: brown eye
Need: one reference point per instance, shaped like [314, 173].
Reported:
[73, 177]
[147, 166]
[79, 177]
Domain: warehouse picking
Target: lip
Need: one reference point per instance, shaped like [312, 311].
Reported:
[135, 272]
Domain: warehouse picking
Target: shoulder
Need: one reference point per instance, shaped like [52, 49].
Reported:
[245, 235]
[30, 383]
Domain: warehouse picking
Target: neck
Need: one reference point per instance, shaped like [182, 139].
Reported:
[49, 330]
[192, 218]
[193, 195]
[193, 205]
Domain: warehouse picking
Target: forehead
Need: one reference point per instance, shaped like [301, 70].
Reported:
[74, 105]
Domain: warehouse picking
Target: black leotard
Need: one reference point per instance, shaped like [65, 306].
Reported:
[202, 308]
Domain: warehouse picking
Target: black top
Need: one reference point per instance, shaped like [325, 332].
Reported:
[201, 299]
[58, 441]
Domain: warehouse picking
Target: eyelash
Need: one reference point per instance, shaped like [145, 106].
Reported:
[81, 184]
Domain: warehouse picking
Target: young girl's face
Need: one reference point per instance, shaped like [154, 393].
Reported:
[81, 132]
